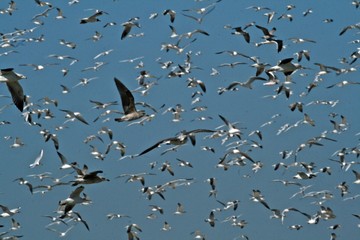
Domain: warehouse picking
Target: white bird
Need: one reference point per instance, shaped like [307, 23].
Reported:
[247, 84]
[85, 81]
[74, 115]
[286, 66]
[37, 160]
[68, 44]
[92, 18]
[104, 53]
[232, 130]
[11, 79]
[61, 234]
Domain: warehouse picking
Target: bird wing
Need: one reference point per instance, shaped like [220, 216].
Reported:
[76, 192]
[92, 174]
[127, 98]
[126, 31]
[17, 94]
[285, 61]
[154, 146]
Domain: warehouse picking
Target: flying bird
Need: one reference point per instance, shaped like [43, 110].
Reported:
[74, 115]
[240, 31]
[92, 18]
[181, 139]
[37, 160]
[127, 28]
[171, 13]
[128, 103]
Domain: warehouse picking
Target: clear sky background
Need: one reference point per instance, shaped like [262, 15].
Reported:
[251, 108]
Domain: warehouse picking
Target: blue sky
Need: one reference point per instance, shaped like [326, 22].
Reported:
[250, 108]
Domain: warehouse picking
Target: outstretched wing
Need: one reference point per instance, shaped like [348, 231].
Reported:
[17, 94]
[127, 98]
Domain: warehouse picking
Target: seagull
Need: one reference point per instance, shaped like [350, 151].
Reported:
[77, 218]
[22, 181]
[231, 204]
[43, 4]
[128, 103]
[101, 105]
[270, 16]
[96, 67]
[69, 203]
[184, 163]
[135, 177]
[37, 67]
[279, 43]
[132, 59]
[14, 225]
[88, 178]
[286, 66]
[127, 28]
[302, 53]
[8, 212]
[307, 12]
[61, 234]
[357, 25]
[74, 115]
[166, 226]
[153, 15]
[107, 52]
[111, 216]
[284, 16]
[17, 143]
[181, 139]
[267, 33]
[232, 130]
[198, 235]
[343, 83]
[171, 13]
[179, 209]
[68, 44]
[247, 84]
[211, 219]
[258, 8]
[84, 81]
[59, 14]
[301, 40]
[64, 162]
[11, 79]
[92, 18]
[201, 11]
[240, 31]
[37, 160]
[190, 34]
